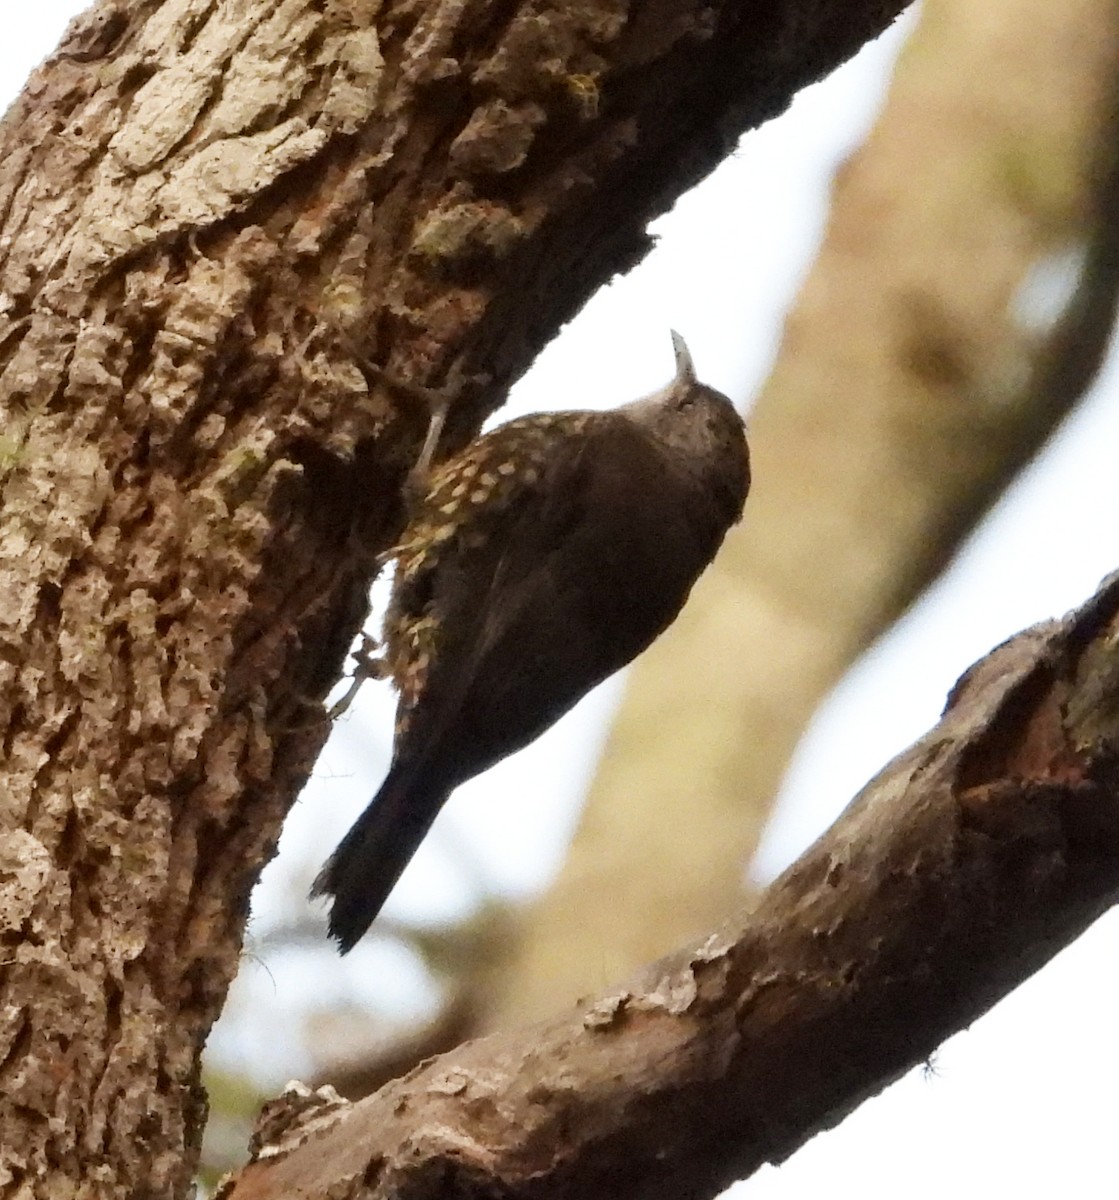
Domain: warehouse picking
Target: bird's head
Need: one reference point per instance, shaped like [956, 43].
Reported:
[696, 428]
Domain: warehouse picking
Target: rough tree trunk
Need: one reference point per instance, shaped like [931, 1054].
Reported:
[194, 198]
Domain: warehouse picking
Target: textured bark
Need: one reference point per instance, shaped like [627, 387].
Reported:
[957, 872]
[911, 385]
[194, 198]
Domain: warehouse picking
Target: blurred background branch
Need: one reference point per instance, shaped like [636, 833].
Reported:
[959, 306]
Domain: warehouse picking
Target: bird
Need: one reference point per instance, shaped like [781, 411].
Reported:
[536, 562]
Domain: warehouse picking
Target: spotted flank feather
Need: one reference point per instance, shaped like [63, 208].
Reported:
[465, 500]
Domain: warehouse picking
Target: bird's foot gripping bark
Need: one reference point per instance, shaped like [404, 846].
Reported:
[437, 402]
[366, 666]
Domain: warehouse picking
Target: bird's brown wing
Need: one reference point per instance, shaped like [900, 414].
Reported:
[581, 572]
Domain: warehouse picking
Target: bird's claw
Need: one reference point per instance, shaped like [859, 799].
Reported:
[366, 666]
[437, 401]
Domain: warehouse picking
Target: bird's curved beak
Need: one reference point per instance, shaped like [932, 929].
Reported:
[685, 368]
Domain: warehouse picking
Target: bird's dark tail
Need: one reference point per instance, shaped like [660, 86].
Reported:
[372, 856]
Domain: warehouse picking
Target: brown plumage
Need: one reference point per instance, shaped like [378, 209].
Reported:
[541, 559]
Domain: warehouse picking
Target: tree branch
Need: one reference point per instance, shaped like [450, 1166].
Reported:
[956, 873]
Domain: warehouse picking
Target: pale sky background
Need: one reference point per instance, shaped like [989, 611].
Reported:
[1024, 1103]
